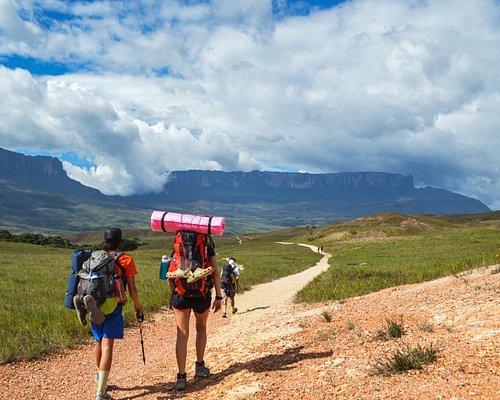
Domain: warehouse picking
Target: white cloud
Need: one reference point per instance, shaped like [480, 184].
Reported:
[403, 87]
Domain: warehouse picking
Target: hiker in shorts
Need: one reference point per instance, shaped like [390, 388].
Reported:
[230, 282]
[182, 304]
[107, 320]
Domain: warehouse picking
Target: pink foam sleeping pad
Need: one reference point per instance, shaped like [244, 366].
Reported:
[162, 221]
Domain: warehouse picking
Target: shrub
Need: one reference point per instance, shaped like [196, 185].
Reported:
[403, 361]
[327, 315]
[393, 330]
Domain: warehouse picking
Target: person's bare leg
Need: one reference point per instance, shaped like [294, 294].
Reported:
[98, 353]
[182, 322]
[201, 334]
[104, 359]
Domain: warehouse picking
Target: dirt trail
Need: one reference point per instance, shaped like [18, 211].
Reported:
[280, 291]
[68, 375]
[275, 349]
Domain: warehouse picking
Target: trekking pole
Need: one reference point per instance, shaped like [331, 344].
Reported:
[140, 318]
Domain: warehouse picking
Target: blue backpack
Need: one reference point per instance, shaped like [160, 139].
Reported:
[78, 258]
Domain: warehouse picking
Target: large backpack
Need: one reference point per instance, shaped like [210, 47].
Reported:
[98, 274]
[228, 280]
[78, 258]
[227, 275]
[189, 253]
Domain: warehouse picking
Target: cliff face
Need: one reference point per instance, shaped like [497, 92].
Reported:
[35, 190]
[41, 173]
[283, 180]
[348, 194]
[15, 166]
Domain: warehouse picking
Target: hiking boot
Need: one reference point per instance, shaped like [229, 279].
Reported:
[201, 370]
[81, 312]
[224, 315]
[181, 382]
[102, 396]
[199, 273]
[235, 310]
[95, 313]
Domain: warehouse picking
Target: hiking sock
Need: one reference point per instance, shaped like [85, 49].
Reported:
[103, 381]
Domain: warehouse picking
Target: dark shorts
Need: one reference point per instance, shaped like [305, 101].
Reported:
[198, 304]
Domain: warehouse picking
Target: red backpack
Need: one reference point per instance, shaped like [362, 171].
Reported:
[189, 254]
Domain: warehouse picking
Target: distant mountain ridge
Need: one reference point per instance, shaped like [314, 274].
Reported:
[288, 180]
[249, 200]
[41, 173]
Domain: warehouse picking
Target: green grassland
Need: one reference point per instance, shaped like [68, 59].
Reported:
[368, 254]
[33, 280]
[389, 249]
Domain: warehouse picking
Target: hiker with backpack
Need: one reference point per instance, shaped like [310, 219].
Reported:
[230, 283]
[192, 275]
[101, 295]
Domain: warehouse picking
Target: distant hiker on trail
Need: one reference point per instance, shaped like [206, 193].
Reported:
[192, 274]
[230, 283]
[101, 294]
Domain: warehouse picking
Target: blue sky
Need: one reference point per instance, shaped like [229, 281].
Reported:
[126, 91]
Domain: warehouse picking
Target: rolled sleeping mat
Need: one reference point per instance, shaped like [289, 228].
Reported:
[163, 221]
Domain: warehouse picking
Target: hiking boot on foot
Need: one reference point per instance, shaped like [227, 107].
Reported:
[235, 310]
[224, 315]
[95, 313]
[181, 382]
[81, 312]
[199, 273]
[201, 370]
[102, 396]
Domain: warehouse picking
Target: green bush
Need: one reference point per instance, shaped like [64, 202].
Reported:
[403, 361]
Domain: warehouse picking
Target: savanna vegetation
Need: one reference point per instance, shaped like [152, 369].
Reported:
[368, 254]
[390, 249]
[33, 280]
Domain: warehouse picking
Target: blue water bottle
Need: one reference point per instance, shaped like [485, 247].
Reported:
[165, 263]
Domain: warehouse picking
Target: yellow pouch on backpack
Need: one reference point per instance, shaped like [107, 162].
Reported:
[109, 305]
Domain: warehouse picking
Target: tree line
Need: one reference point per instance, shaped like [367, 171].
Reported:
[58, 241]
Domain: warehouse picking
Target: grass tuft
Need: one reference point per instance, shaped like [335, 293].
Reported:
[350, 325]
[403, 361]
[327, 315]
[393, 330]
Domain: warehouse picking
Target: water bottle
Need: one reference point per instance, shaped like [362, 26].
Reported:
[165, 263]
[121, 295]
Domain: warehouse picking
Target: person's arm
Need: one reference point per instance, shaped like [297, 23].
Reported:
[132, 289]
[218, 291]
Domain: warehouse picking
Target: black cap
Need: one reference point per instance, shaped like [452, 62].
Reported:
[112, 235]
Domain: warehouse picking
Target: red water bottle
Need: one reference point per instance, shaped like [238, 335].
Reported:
[121, 295]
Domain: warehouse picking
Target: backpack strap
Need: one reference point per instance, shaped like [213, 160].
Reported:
[122, 269]
[210, 225]
[210, 241]
[117, 256]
